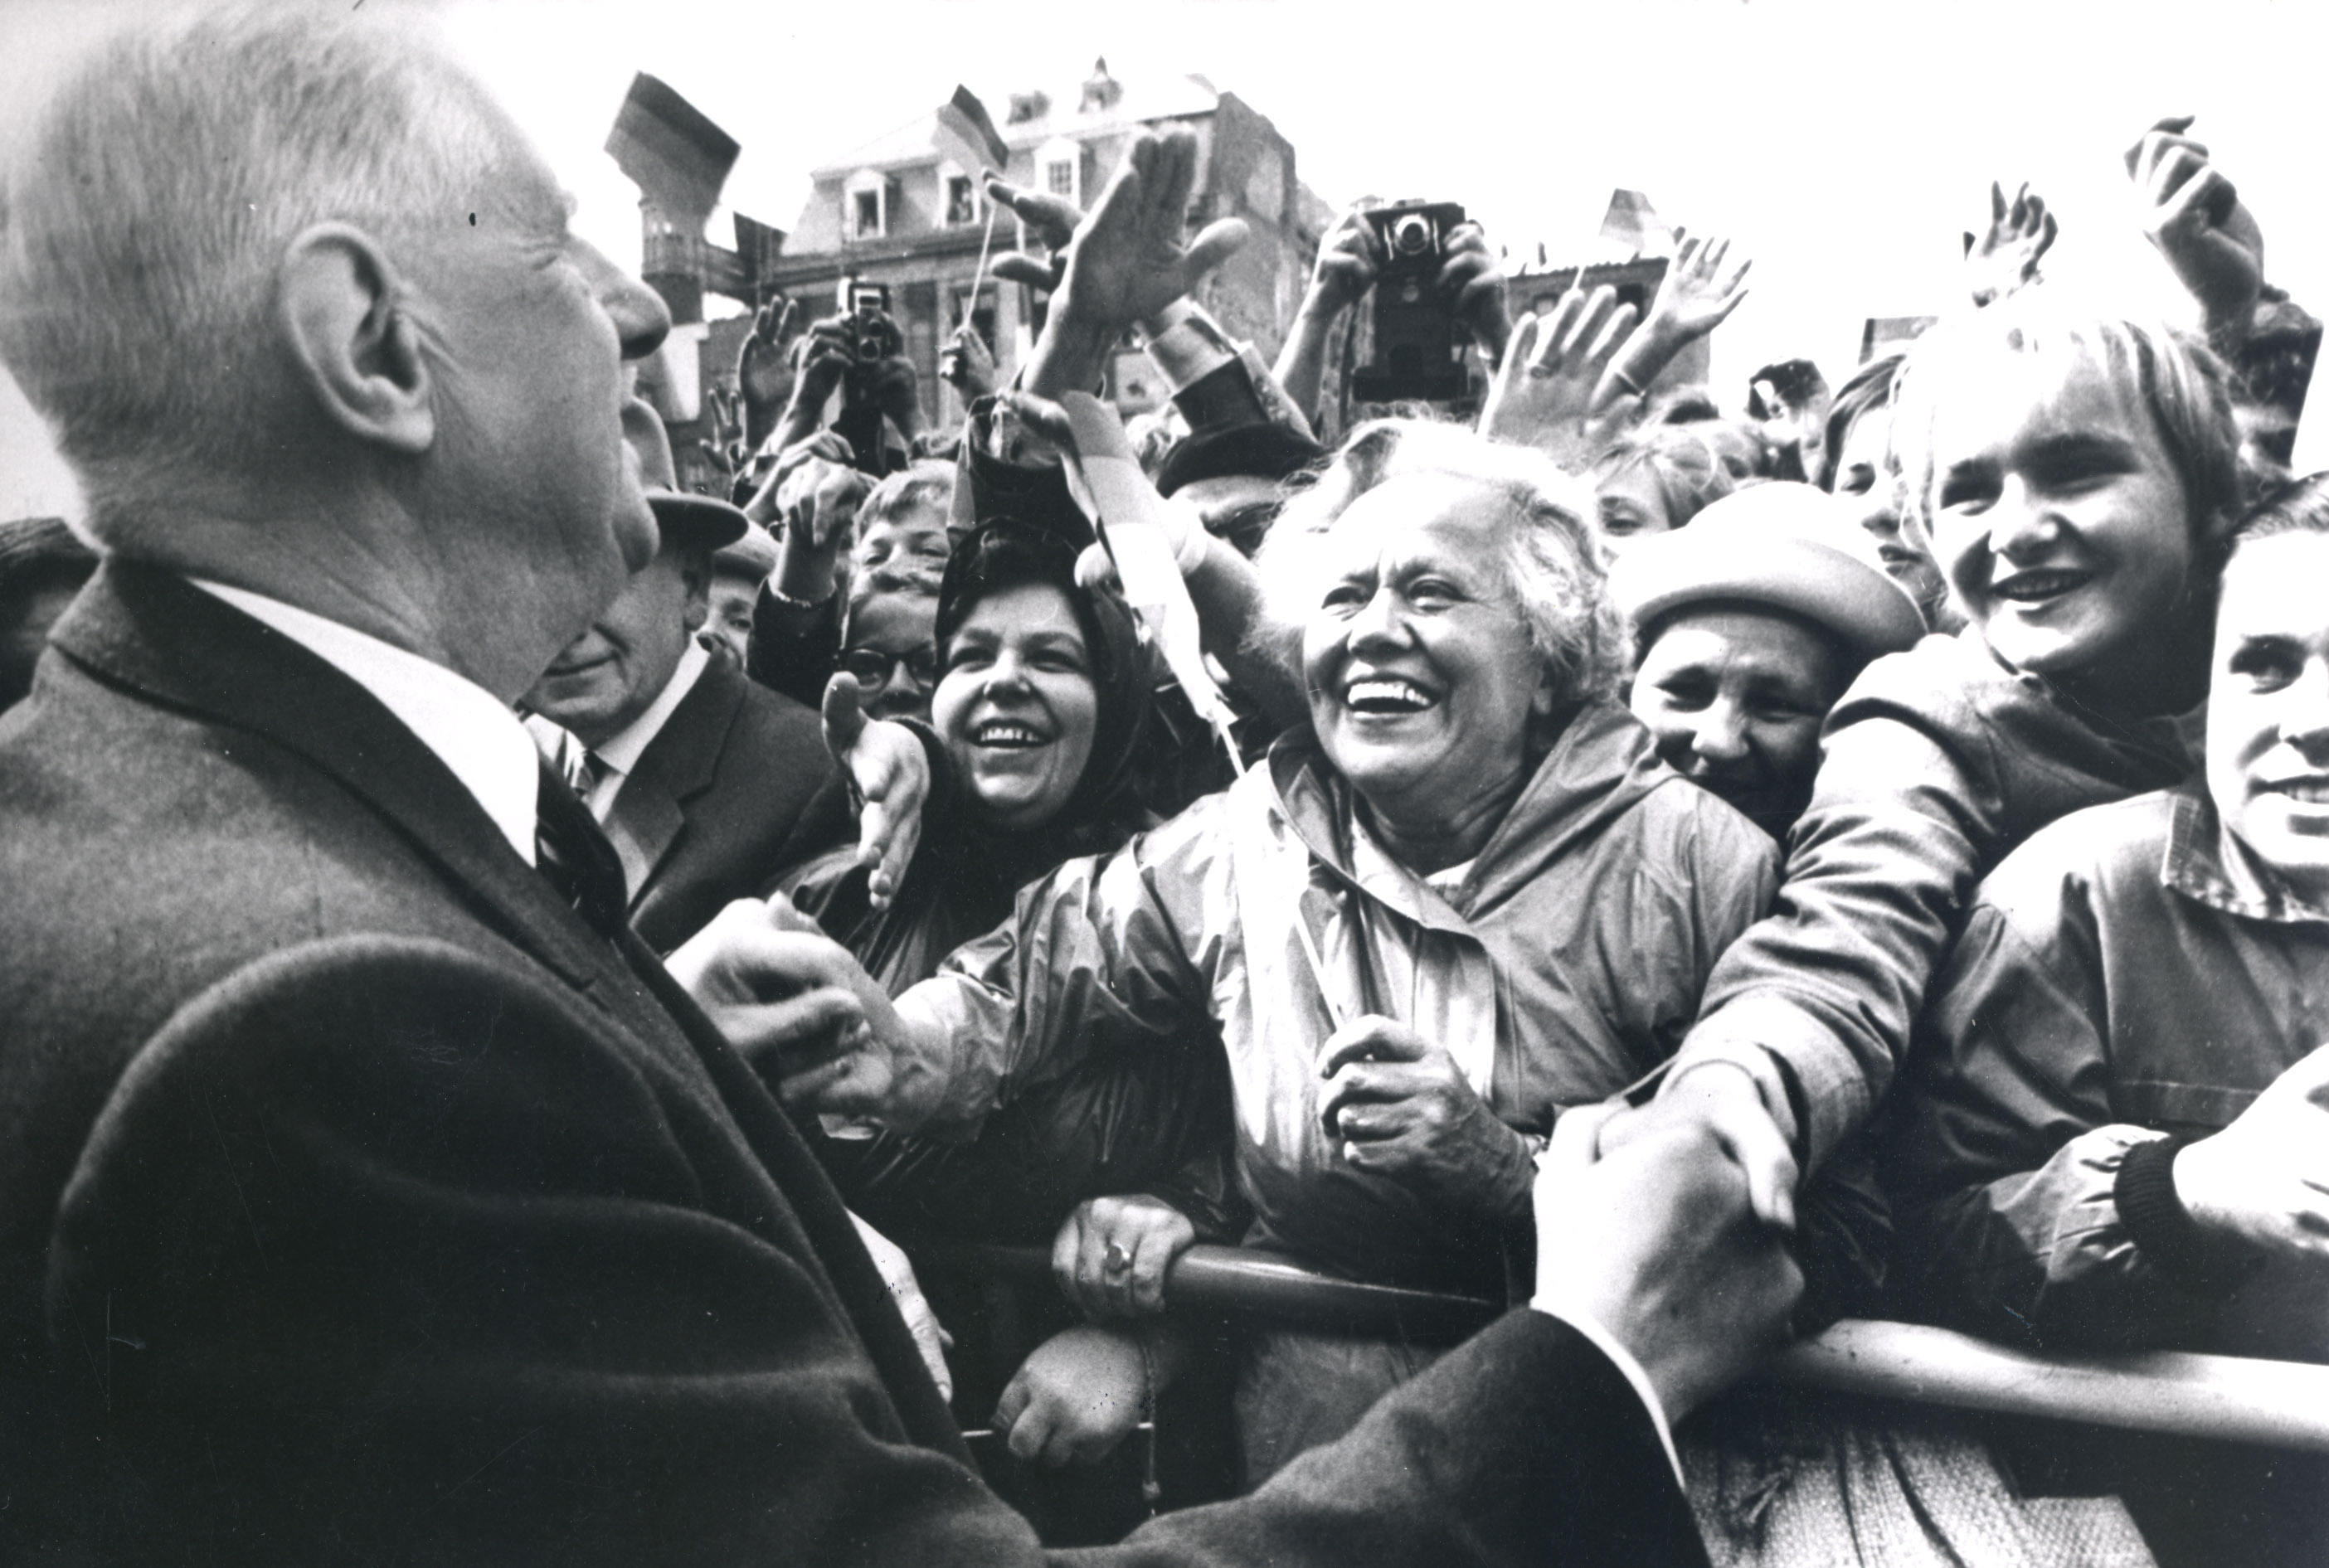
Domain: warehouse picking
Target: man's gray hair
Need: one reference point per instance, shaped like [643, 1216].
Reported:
[146, 204]
[1552, 560]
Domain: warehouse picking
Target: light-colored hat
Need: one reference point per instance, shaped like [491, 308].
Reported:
[701, 518]
[1782, 544]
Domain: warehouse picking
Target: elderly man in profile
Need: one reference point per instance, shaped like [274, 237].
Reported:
[707, 784]
[368, 1193]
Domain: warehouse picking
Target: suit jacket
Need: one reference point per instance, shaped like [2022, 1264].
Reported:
[736, 787]
[358, 1204]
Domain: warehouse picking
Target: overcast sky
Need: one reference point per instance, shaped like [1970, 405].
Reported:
[1844, 145]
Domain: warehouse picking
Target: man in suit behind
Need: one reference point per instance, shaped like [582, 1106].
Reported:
[707, 784]
[368, 1191]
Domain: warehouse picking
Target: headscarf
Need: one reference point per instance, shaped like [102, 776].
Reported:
[1105, 806]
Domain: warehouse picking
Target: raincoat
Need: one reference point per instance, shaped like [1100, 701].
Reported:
[1938, 762]
[1565, 964]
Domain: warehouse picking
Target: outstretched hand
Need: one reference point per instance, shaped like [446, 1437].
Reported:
[891, 774]
[1726, 1100]
[2005, 256]
[1657, 1242]
[2193, 214]
[777, 992]
[1544, 394]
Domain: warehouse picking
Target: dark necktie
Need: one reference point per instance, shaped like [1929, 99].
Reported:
[575, 857]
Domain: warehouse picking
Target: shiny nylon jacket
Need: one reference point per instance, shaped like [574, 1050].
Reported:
[1567, 964]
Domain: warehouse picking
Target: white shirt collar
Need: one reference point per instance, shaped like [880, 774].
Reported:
[620, 755]
[476, 736]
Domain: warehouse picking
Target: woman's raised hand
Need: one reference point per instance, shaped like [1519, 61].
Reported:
[2193, 214]
[1543, 392]
[1698, 293]
[2006, 258]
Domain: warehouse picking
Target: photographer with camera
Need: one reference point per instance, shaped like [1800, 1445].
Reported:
[860, 354]
[1433, 272]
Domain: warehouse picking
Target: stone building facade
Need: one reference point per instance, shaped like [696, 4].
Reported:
[896, 211]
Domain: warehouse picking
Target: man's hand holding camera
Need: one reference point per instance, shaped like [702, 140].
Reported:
[1345, 268]
[1472, 286]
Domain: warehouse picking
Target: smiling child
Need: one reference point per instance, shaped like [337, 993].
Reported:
[2076, 476]
[2112, 1125]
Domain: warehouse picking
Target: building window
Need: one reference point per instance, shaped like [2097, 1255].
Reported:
[961, 200]
[865, 210]
[1059, 168]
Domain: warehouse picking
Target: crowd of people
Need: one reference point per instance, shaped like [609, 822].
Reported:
[516, 977]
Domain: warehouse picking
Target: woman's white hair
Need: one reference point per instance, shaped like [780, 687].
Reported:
[1550, 558]
[145, 205]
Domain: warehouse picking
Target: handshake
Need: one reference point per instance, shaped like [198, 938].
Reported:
[1651, 1244]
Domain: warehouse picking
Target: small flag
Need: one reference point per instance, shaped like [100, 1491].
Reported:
[670, 150]
[967, 135]
[1633, 222]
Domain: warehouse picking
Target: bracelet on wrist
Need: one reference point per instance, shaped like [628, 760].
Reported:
[798, 602]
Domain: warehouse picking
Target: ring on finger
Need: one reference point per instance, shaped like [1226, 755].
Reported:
[1117, 1262]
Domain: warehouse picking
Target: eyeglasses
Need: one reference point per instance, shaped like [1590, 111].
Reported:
[873, 668]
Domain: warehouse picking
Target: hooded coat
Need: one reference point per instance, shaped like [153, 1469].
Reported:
[1565, 964]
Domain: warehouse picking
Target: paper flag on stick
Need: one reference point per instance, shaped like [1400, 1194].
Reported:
[966, 133]
[1128, 514]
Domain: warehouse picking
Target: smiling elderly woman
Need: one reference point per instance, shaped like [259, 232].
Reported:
[1473, 897]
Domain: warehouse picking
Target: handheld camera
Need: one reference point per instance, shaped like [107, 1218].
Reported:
[1415, 338]
[872, 335]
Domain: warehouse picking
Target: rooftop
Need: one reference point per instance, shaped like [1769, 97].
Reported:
[1098, 103]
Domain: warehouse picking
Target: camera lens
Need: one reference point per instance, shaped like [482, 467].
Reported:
[869, 348]
[1410, 236]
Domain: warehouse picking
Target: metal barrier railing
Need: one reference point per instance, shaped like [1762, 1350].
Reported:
[2278, 1403]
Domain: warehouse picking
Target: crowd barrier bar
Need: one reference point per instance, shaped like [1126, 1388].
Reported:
[2277, 1403]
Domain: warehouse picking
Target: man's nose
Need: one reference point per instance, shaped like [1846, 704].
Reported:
[2304, 711]
[641, 319]
[1722, 733]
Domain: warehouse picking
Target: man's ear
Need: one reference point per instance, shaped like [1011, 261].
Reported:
[696, 574]
[346, 322]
